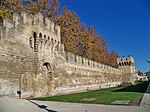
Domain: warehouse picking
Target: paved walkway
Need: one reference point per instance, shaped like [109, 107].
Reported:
[17, 105]
[146, 98]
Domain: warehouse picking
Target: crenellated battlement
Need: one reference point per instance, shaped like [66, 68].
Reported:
[126, 65]
[36, 22]
[87, 63]
[125, 61]
[33, 44]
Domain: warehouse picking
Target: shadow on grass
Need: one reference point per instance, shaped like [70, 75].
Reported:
[139, 87]
[42, 106]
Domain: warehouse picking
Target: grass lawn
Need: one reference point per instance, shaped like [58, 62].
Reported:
[104, 96]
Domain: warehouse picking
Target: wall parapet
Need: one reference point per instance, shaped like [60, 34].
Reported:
[25, 19]
[125, 61]
[87, 63]
[33, 44]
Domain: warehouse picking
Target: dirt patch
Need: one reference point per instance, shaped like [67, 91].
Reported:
[99, 101]
[137, 101]
[89, 99]
[121, 102]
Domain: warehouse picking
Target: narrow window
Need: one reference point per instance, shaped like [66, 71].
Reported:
[35, 46]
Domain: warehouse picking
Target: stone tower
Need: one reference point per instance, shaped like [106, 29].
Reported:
[126, 65]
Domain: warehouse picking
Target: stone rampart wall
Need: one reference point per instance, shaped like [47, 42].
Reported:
[16, 60]
[33, 60]
[79, 61]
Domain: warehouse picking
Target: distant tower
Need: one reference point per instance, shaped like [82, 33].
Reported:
[127, 67]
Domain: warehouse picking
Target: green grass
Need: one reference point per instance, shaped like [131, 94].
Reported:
[103, 96]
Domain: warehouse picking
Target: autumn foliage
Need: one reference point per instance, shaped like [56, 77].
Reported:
[7, 7]
[76, 37]
[84, 41]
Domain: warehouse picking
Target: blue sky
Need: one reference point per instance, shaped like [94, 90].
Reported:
[125, 24]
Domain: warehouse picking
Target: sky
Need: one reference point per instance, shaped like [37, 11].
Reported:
[125, 24]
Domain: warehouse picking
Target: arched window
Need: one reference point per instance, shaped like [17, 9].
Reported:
[125, 63]
[52, 40]
[82, 61]
[49, 69]
[45, 39]
[119, 64]
[129, 63]
[35, 37]
[40, 40]
[122, 64]
[47, 66]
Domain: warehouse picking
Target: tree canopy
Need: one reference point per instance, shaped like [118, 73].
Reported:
[84, 41]
[76, 37]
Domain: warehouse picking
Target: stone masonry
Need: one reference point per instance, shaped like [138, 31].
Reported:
[126, 65]
[33, 61]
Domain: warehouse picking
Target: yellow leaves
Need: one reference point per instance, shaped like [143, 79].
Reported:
[70, 30]
[7, 7]
[5, 13]
[49, 8]
[74, 34]
[31, 7]
[77, 40]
